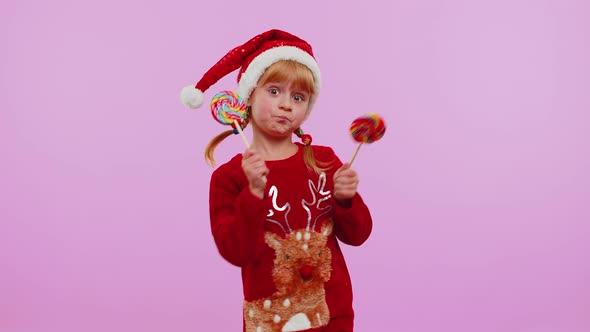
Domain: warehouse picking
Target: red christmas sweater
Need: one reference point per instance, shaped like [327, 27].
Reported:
[293, 272]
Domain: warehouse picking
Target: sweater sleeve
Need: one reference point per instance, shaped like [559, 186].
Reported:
[353, 223]
[237, 218]
[352, 220]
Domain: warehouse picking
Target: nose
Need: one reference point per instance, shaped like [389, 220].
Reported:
[306, 271]
[285, 103]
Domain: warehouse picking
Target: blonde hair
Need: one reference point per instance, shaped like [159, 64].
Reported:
[302, 79]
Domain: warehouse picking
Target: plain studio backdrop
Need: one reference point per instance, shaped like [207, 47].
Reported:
[479, 189]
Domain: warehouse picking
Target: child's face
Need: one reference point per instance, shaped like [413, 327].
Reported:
[278, 108]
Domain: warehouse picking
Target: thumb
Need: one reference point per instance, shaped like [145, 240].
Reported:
[342, 168]
[249, 152]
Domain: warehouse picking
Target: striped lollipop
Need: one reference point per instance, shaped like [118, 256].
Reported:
[229, 109]
[366, 129]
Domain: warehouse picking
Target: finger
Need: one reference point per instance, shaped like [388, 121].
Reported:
[344, 195]
[346, 179]
[253, 159]
[261, 173]
[345, 187]
[344, 167]
[248, 153]
[343, 178]
[346, 173]
[349, 171]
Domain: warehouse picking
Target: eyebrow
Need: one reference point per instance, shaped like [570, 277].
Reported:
[283, 84]
[302, 92]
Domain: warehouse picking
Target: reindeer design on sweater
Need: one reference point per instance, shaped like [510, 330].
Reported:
[302, 265]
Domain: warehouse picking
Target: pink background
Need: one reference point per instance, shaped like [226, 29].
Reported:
[479, 190]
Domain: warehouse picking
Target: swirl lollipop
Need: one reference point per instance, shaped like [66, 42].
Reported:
[229, 109]
[366, 129]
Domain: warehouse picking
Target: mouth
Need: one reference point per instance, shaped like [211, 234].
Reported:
[282, 118]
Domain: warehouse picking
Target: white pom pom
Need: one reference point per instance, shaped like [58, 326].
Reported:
[191, 97]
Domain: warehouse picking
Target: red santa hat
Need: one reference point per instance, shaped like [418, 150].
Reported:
[254, 57]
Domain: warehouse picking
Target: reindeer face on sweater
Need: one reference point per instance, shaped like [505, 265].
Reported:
[302, 259]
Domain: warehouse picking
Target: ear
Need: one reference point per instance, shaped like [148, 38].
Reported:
[250, 98]
[327, 228]
[273, 240]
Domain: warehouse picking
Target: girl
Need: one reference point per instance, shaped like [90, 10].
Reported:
[279, 210]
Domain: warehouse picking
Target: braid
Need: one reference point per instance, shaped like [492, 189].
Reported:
[308, 155]
[210, 149]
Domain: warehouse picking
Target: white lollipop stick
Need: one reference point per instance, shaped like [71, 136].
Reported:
[355, 153]
[239, 128]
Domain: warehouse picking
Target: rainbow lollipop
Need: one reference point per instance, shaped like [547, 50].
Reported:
[229, 109]
[366, 129]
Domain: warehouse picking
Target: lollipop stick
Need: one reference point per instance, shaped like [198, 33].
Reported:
[355, 153]
[239, 128]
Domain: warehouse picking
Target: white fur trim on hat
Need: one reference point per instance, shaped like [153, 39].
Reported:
[191, 97]
[250, 77]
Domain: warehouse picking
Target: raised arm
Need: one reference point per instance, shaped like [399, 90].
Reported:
[237, 217]
[353, 222]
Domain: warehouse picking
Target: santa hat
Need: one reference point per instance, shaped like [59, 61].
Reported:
[254, 57]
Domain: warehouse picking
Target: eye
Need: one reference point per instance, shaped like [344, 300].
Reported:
[299, 98]
[273, 91]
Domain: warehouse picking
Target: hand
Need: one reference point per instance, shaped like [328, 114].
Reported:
[256, 171]
[346, 181]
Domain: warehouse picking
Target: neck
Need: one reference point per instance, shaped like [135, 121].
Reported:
[274, 149]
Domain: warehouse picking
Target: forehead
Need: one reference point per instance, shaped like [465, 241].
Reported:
[300, 86]
[288, 85]
[291, 72]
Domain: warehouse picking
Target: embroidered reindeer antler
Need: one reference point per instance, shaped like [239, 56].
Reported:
[274, 192]
[316, 201]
